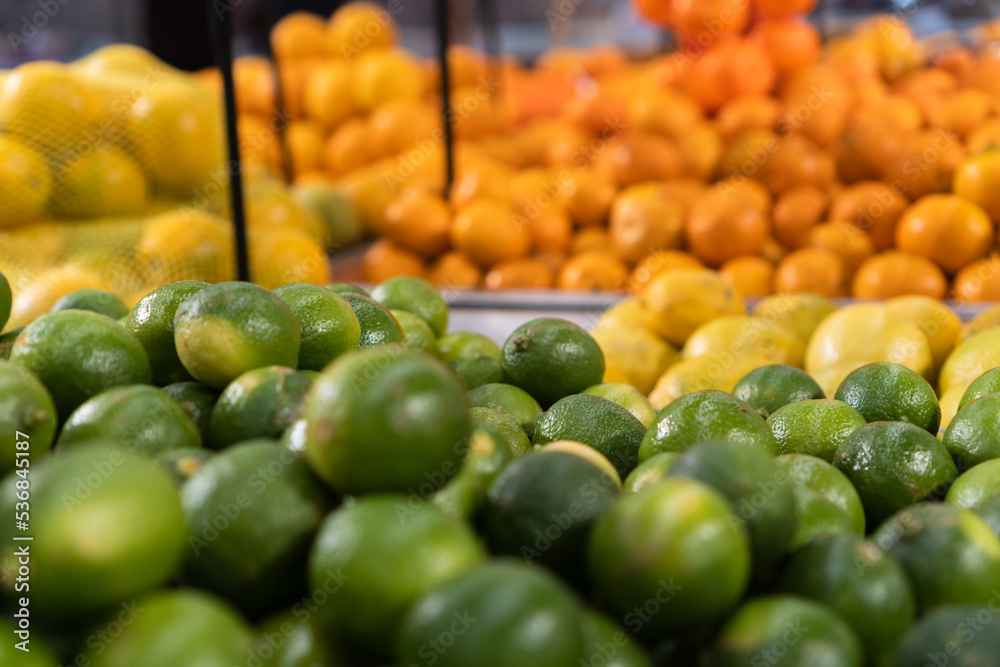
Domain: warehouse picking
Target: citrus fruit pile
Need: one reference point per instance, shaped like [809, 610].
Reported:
[862, 166]
[229, 475]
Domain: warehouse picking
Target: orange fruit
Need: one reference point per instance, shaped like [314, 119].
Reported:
[593, 270]
[592, 108]
[420, 221]
[978, 281]
[258, 141]
[536, 189]
[346, 148]
[784, 7]
[895, 273]
[796, 161]
[327, 96]
[751, 112]
[977, 179]
[382, 75]
[725, 224]
[551, 229]
[524, 273]
[949, 229]
[816, 103]
[253, 78]
[984, 134]
[487, 231]
[358, 27]
[403, 124]
[872, 206]
[867, 149]
[729, 68]
[772, 250]
[657, 11]
[282, 255]
[707, 19]
[812, 271]
[701, 149]
[750, 275]
[796, 212]
[926, 163]
[474, 112]
[455, 270]
[589, 196]
[640, 156]
[661, 262]
[466, 66]
[297, 36]
[644, 220]
[384, 260]
[483, 179]
[792, 43]
[664, 111]
[961, 111]
[554, 258]
[684, 191]
[589, 238]
[304, 139]
[851, 244]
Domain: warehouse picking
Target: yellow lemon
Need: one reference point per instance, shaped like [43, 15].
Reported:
[973, 357]
[38, 297]
[799, 313]
[678, 302]
[637, 353]
[713, 371]
[865, 333]
[48, 105]
[186, 244]
[626, 314]
[987, 319]
[949, 404]
[938, 322]
[104, 181]
[121, 60]
[25, 182]
[737, 335]
[282, 255]
[383, 75]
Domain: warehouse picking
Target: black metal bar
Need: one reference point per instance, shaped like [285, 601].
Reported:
[441, 11]
[220, 18]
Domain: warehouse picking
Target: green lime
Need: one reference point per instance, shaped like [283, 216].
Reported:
[505, 425]
[327, 324]
[509, 400]
[31, 653]
[668, 557]
[989, 512]
[551, 358]
[96, 489]
[346, 288]
[816, 427]
[652, 470]
[817, 475]
[786, 630]
[984, 385]
[78, 354]
[141, 418]
[418, 334]
[95, 300]
[227, 329]
[607, 427]
[152, 321]
[181, 464]
[606, 643]
[973, 436]
[341, 223]
[378, 326]
[386, 419]
[500, 614]
[197, 400]
[414, 295]
[261, 403]
[173, 628]
[950, 555]
[627, 397]
[702, 416]
[865, 587]
[295, 639]
[27, 416]
[466, 344]
[892, 465]
[6, 301]
[464, 495]
[952, 636]
[382, 553]
[7, 342]
[768, 388]
[888, 392]
[757, 490]
[542, 507]
[817, 517]
[474, 372]
[252, 511]
[976, 485]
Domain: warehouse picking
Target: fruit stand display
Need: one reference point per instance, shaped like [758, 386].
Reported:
[721, 461]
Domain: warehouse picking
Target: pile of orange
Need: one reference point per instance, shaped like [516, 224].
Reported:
[864, 167]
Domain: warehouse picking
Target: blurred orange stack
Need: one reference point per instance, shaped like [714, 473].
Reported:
[864, 167]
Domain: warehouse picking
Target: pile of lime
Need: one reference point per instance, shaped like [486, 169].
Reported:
[226, 475]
